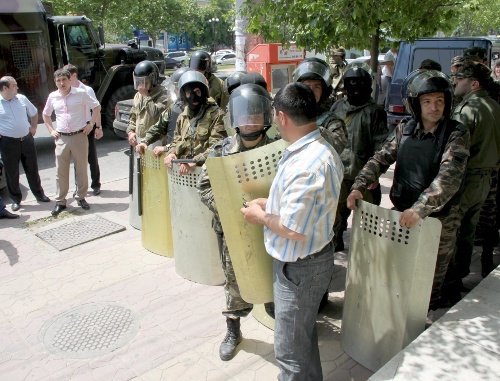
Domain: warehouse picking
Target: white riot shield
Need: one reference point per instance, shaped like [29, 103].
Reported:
[235, 179]
[196, 250]
[388, 285]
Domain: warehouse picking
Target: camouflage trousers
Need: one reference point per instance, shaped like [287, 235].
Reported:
[477, 184]
[450, 223]
[343, 212]
[235, 306]
[487, 227]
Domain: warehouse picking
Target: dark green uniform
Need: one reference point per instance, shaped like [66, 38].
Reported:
[366, 131]
[481, 115]
[235, 305]
[440, 191]
[216, 91]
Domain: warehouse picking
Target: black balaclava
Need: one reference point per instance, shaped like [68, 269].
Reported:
[358, 91]
[201, 99]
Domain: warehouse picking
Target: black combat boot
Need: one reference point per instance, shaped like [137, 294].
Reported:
[233, 338]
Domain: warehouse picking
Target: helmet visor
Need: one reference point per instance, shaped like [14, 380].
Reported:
[420, 83]
[312, 70]
[142, 82]
[250, 110]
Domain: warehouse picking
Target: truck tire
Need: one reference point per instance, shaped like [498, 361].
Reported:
[124, 92]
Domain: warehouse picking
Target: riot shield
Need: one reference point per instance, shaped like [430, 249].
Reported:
[235, 179]
[196, 250]
[156, 223]
[388, 285]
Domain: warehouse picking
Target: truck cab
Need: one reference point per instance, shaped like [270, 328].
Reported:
[411, 55]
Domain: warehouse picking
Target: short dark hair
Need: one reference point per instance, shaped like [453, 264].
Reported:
[71, 68]
[297, 101]
[429, 64]
[5, 82]
[62, 73]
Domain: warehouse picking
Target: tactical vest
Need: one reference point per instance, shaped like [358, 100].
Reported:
[418, 164]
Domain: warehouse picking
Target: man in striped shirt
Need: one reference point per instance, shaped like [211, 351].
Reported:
[298, 218]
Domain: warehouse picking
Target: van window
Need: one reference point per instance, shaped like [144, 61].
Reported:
[441, 55]
[79, 35]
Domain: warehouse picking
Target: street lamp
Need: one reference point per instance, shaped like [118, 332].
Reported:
[214, 20]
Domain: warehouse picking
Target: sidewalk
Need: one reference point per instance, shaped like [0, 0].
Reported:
[163, 326]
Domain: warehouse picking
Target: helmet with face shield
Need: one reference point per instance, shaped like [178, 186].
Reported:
[250, 111]
[427, 82]
[173, 86]
[315, 69]
[233, 81]
[146, 74]
[358, 83]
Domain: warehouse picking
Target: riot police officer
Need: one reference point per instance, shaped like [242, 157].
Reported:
[233, 81]
[202, 62]
[366, 124]
[430, 152]
[198, 127]
[315, 74]
[251, 116]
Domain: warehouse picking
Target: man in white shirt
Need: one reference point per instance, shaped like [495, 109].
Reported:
[70, 105]
[388, 71]
[95, 173]
[18, 123]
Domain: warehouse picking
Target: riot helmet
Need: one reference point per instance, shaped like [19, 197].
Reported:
[358, 83]
[173, 86]
[200, 60]
[404, 87]
[426, 82]
[188, 83]
[254, 78]
[146, 73]
[233, 81]
[250, 108]
[315, 69]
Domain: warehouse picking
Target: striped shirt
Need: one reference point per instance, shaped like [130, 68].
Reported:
[14, 121]
[304, 194]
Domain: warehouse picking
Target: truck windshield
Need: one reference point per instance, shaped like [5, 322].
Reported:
[79, 35]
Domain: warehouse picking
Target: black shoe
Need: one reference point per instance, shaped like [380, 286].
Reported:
[233, 337]
[15, 206]
[97, 191]
[6, 214]
[42, 198]
[58, 209]
[84, 204]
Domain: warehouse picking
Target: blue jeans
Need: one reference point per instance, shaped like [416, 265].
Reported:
[298, 288]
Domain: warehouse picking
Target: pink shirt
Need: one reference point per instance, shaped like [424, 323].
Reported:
[90, 91]
[70, 110]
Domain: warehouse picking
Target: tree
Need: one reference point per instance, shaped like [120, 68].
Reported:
[321, 24]
[479, 18]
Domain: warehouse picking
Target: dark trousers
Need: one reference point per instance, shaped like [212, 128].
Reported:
[14, 151]
[95, 173]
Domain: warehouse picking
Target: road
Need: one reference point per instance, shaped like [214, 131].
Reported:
[113, 162]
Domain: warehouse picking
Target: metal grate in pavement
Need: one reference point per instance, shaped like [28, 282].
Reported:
[75, 233]
[90, 330]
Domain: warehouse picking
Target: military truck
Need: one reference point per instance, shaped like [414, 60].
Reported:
[34, 43]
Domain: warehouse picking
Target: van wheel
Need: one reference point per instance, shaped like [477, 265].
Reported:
[124, 92]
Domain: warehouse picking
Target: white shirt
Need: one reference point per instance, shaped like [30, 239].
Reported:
[389, 56]
[14, 114]
[70, 110]
[90, 91]
[305, 195]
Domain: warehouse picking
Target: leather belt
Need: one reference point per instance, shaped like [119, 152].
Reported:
[324, 250]
[17, 139]
[70, 133]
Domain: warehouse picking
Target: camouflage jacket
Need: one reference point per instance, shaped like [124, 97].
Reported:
[481, 115]
[147, 110]
[333, 130]
[366, 132]
[159, 129]
[209, 130]
[338, 72]
[228, 146]
[217, 93]
[445, 184]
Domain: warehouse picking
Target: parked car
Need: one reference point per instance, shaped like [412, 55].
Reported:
[122, 116]
[178, 56]
[226, 59]
[171, 63]
[224, 51]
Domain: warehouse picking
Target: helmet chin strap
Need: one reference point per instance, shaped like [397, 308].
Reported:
[254, 135]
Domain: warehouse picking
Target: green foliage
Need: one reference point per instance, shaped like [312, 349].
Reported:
[479, 18]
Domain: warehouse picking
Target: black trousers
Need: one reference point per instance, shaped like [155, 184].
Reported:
[22, 150]
[95, 173]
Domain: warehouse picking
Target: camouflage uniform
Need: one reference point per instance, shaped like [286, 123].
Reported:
[216, 91]
[338, 71]
[366, 131]
[481, 115]
[147, 110]
[209, 130]
[235, 305]
[441, 190]
[165, 124]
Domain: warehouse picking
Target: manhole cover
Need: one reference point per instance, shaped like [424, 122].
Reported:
[89, 331]
[75, 233]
